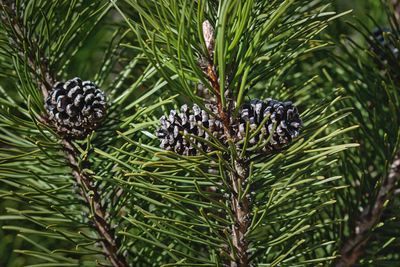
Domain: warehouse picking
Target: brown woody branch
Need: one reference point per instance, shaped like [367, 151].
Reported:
[240, 209]
[109, 242]
[354, 245]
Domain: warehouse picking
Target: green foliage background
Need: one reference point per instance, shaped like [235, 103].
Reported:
[89, 60]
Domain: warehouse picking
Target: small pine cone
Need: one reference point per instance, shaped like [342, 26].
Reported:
[286, 116]
[172, 129]
[76, 107]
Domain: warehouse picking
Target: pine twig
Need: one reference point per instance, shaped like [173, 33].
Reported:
[92, 198]
[239, 206]
[354, 245]
[211, 73]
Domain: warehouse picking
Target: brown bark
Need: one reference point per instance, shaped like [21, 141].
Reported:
[109, 242]
[354, 245]
[240, 209]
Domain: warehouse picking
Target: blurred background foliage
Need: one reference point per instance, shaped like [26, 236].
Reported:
[90, 59]
[361, 9]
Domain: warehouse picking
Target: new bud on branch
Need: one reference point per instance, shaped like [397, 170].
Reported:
[208, 35]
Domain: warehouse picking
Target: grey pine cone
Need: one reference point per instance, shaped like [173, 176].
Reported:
[176, 124]
[286, 116]
[76, 107]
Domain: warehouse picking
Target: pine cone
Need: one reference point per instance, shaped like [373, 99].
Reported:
[284, 114]
[170, 132]
[76, 107]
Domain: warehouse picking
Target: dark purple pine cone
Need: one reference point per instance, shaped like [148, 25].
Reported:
[76, 107]
[286, 116]
[171, 131]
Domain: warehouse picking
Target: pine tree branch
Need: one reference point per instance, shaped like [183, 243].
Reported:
[45, 79]
[92, 198]
[239, 205]
[354, 245]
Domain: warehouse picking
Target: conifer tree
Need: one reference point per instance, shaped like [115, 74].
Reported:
[197, 133]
